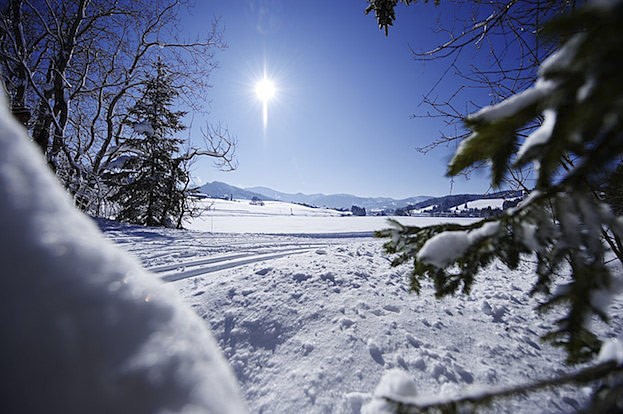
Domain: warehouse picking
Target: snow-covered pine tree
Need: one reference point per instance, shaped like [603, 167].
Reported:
[150, 177]
[564, 223]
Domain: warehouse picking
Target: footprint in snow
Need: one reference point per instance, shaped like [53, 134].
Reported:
[440, 370]
[392, 308]
[465, 375]
[301, 277]
[330, 276]
[376, 353]
[496, 312]
[530, 342]
[420, 364]
[414, 342]
[346, 323]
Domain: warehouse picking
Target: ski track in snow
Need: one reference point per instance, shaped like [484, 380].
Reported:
[227, 262]
[310, 324]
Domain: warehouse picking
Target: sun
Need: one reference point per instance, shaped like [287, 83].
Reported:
[265, 90]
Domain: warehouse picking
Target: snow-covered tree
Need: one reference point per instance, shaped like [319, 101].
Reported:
[150, 180]
[72, 70]
[577, 101]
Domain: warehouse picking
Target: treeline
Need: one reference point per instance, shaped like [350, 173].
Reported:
[445, 203]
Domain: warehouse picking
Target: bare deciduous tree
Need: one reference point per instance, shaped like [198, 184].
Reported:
[73, 68]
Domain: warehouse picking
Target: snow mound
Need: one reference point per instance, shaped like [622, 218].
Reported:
[83, 326]
[395, 384]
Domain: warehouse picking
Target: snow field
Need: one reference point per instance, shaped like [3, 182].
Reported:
[277, 217]
[218, 207]
[316, 331]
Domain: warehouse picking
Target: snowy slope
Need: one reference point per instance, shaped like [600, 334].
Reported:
[481, 204]
[423, 210]
[311, 323]
[218, 207]
[84, 328]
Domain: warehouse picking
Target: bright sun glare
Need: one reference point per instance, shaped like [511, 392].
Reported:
[265, 90]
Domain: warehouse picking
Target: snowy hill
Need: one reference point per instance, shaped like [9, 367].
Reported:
[278, 195]
[346, 201]
[338, 200]
[481, 204]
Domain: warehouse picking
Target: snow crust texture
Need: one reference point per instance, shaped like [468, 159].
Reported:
[84, 328]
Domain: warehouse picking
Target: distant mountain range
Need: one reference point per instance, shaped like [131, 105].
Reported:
[346, 201]
[219, 189]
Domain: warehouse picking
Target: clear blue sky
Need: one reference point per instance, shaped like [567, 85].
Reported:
[341, 118]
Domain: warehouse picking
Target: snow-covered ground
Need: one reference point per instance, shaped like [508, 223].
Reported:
[423, 210]
[219, 207]
[311, 322]
[276, 217]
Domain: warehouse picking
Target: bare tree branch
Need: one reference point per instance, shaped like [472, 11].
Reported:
[480, 398]
[219, 144]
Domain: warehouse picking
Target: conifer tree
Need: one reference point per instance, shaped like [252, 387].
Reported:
[578, 96]
[613, 191]
[150, 175]
[564, 223]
